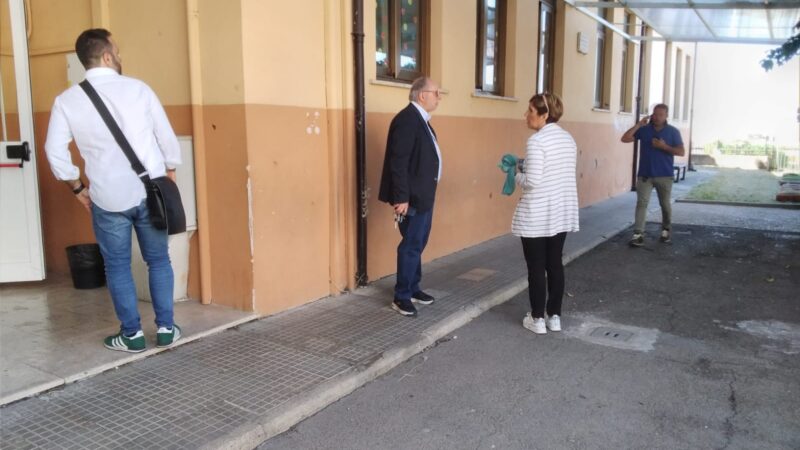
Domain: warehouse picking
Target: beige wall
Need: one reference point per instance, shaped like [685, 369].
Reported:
[452, 56]
[284, 48]
[221, 52]
[152, 38]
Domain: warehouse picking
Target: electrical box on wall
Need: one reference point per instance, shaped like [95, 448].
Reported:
[583, 43]
[75, 71]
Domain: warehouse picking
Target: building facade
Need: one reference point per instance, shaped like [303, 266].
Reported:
[266, 91]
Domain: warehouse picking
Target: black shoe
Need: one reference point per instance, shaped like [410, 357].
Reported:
[404, 307]
[422, 298]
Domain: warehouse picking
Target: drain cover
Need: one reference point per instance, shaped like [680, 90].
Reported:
[602, 332]
[609, 333]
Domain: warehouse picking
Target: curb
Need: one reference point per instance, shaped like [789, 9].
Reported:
[284, 417]
[294, 411]
[754, 205]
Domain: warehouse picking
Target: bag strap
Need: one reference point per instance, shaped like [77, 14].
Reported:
[136, 165]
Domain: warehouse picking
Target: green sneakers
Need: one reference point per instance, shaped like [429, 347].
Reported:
[120, 342]
[165, 337]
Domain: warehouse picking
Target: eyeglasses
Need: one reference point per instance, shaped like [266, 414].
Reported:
[438, 92]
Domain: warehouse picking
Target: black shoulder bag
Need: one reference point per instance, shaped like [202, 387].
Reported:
[163, 197]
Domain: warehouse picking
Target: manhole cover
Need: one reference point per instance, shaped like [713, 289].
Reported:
[613, 334]
[603, 332]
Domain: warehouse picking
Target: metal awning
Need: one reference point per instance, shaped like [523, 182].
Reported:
[739, 21]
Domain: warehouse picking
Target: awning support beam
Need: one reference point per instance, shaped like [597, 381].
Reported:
[684, 5]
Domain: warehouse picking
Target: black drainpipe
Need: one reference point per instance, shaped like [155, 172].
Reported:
[639, 94]
[361, 145]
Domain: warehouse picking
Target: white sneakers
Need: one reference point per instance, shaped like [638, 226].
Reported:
[540, 326]
[535, 325]
[554, 323]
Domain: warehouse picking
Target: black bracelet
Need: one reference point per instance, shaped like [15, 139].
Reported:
[79, 189]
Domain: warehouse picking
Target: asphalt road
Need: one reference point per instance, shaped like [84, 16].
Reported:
[705, 356]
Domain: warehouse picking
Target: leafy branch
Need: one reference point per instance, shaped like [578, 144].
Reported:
[784, 53]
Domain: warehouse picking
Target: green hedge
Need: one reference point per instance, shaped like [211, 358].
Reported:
[745, 148]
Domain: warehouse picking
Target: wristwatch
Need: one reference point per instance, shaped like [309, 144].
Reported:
[79, 189]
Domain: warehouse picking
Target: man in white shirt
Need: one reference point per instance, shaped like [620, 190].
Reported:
[116, 196]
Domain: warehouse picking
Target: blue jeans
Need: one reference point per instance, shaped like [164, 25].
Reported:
[415, 230]
[113, 233]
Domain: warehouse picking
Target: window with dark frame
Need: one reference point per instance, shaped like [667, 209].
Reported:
[626, 90]
[602, 96]
[400, 39]
[490, 57]
[676, 103]
[643, 90]
[600, 69]
[547, 21]
[687, 80]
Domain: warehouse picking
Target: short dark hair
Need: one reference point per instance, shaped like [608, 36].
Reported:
[661, 106]
[546, 103]
[91, 45]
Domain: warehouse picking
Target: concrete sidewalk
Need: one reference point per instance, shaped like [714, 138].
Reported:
[244, 385]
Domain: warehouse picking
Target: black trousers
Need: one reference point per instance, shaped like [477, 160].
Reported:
[545, 273]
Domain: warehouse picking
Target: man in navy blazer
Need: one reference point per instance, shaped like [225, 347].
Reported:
[411, 171]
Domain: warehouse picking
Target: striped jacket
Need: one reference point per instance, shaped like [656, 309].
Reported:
[549, 202]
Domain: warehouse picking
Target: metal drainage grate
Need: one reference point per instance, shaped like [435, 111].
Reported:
[612, 334]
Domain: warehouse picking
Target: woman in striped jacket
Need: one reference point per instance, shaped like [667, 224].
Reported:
[547, 210]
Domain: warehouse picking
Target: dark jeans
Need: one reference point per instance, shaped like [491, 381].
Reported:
[545, 273]
[415, 231]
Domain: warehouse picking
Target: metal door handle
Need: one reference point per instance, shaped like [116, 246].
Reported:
[21, 152]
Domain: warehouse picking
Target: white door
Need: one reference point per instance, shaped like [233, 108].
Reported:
[21, 253]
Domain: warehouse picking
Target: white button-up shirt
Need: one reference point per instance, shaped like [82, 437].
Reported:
[427, 117]
[114, 185]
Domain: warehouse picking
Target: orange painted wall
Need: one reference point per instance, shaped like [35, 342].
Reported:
[64, 221]
[604, 163]
[469, 205]
[288, 168]
[225, 133]
[291, 198]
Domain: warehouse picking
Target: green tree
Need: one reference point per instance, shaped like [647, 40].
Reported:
[784, 53]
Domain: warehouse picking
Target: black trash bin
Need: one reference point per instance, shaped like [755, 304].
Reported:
[86, 266]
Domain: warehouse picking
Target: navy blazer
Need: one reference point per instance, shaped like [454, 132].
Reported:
[410, 165]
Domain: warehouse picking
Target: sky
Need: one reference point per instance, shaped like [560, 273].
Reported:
[735, 98]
